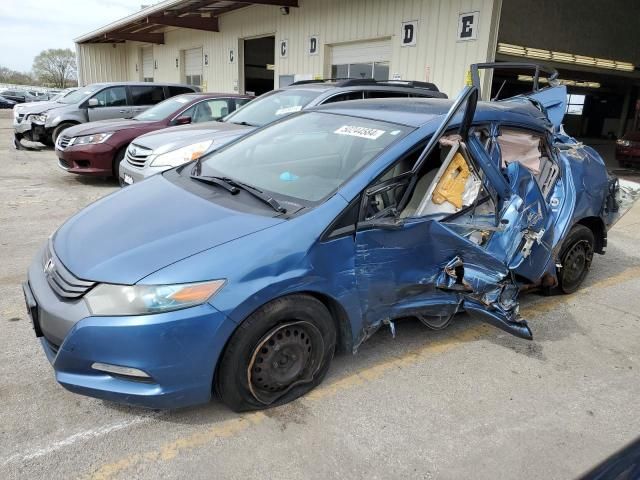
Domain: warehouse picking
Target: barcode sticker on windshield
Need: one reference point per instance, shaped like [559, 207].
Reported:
[362, 132]
[287, 110]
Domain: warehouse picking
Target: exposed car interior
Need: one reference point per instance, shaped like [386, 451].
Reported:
[530, 151]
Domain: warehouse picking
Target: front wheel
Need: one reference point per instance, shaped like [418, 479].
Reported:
[279, 353]
[117, 160]
[58, 130]
[575, 257]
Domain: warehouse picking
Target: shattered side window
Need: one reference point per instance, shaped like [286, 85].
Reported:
[447, 184]
[529, 150]
[454, 192]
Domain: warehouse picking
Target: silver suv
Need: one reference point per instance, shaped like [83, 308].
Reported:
[161, 150]
[99, 101]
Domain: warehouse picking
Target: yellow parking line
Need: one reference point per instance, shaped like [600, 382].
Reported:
[232, 427]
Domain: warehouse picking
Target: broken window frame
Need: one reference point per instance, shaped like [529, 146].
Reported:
[547, 187]
[404, 180]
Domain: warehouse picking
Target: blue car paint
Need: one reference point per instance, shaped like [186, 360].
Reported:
[174, 236]
[153, 225]
[177, 349]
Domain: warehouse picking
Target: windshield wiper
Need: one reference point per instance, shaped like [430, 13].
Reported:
[217, 181]
[246, 124]
[259, 194]
[234, 186]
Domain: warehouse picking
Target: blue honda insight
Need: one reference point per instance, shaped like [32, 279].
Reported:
[243, 272]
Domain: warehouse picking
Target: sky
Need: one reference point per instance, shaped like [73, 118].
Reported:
[29, 26]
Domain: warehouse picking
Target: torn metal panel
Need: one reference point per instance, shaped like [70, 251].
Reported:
[622, 195]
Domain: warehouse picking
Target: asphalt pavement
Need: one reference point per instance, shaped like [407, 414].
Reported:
[467, 402]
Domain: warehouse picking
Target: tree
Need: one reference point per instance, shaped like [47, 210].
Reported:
[17, 78]
[55, 67]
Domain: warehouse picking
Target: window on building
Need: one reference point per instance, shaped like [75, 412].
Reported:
[147, 64]
[377, 70]
[147, 95]
[575, 104]
[193, 66]
[193, 79]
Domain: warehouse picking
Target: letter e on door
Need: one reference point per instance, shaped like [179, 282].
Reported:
[468, 26]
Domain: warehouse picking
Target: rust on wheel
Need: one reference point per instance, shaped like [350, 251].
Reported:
[288, 355]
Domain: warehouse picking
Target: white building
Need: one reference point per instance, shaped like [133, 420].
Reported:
[258, 45]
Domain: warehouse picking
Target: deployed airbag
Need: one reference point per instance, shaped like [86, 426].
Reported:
[522, 148]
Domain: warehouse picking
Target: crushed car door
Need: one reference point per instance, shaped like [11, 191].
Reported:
[452, 239]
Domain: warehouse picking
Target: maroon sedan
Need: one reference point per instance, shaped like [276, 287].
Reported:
[628, 149]
[96, 148]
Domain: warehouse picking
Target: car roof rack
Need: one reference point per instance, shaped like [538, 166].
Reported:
[319, 80]
[355, 82]
[388, 83]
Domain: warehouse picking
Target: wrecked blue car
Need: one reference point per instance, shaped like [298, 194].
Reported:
[243, 272]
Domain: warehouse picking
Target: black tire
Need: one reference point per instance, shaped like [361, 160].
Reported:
[575, 257]
[251, 374]
[116, 162]
[48, 142]
[58, 130]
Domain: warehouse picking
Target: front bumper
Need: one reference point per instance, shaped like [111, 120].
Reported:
[179, 350]
[94, 159]
[130, 174]
[20, 128]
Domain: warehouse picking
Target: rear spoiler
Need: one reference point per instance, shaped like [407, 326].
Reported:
[552, 73]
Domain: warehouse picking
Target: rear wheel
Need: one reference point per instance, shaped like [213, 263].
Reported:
[279, 353]
[575, 257]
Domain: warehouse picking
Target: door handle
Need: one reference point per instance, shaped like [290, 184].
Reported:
[122, 111]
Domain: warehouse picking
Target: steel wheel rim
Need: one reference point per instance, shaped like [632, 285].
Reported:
[289, 355]
[576, 262]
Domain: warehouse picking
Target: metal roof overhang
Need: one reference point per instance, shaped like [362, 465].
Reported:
[148, 24]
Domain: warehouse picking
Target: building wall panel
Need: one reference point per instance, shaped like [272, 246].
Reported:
[437, 55]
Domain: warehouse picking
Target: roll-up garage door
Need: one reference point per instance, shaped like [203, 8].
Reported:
[193, 66]
[361, 59]
[147, 64]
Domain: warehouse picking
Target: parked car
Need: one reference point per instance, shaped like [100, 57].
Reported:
[263, 110]
[18, 95]
[99, 101]
[24, 113]
[97, 148]
[243, 271]
[6, 102]
[628, 149]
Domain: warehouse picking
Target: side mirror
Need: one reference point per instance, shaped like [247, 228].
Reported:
[183, 120]
[93, 102]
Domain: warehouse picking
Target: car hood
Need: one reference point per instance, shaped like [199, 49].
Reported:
[136, 231]
[102, 126]
[169, 139]
[37, 107]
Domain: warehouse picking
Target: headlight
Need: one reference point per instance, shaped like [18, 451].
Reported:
[109, 299]
[181, 155]
[623, 143]
[91, 139]
[40, 118]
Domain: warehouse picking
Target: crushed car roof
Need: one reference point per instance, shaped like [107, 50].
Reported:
[416, 112]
